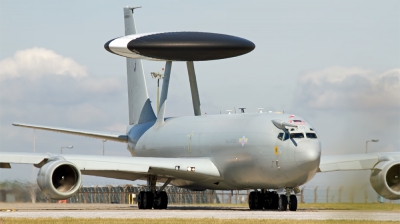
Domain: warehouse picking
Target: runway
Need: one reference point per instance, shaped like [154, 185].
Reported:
[131, 211]
[306, 215]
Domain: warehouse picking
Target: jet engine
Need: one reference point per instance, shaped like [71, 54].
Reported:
[385, 179]
[59, 179]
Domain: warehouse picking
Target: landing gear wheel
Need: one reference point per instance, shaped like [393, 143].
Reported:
[148, 200]
[259, 200]
[164, 199]
[283, 203]
[268, 200]
[252, 196]
[161, 200]
[275, 200]
[271, 200]
[293, 203]
[140, 200]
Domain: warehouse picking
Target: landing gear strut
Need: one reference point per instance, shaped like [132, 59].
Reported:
[153, 198]
[272, 200]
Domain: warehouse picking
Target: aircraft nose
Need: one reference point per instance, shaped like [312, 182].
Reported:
[308, 154]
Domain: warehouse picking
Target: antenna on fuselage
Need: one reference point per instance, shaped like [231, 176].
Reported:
[158, 76]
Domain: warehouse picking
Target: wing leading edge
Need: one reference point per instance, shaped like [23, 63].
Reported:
[92, 134]
[355, 161]
[129, 168]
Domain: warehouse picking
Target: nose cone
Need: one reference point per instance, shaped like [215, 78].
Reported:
[308, 154]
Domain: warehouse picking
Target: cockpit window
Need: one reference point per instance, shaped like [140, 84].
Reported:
[280, 136]
[311, 135]
[286, 137]
[296, 135]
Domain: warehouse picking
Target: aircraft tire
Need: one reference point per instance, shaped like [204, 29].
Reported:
[271, 200]
[140, 200]
[161, 202]
[148, 199]
[251, 200]
[275, 200]
[283, 202]
[268, 200]
[157, 201]
[164, 200]
[259, 200]
[293, 203]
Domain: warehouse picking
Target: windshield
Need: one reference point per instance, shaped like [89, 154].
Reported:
[296, 135]
[311, 135]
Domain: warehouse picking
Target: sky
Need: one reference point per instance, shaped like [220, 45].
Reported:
[334, 63]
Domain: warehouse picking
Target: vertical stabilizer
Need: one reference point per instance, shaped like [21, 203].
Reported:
[140, 109]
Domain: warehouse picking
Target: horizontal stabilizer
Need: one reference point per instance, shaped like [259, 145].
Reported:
[92, 134]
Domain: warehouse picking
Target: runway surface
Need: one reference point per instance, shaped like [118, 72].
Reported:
[128, 211]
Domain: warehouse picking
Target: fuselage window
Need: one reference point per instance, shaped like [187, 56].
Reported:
[296, 135]
[311, 135]
[280, 136]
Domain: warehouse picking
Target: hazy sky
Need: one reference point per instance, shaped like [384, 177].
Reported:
[334, 63]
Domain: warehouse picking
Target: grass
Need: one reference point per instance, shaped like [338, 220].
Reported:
[178, 221]
[351, 206]
[322, 206]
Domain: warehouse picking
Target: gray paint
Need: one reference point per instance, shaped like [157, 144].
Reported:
[193, 88]
[147, 113]
[241, 167]
[165, 85]
[137, 89]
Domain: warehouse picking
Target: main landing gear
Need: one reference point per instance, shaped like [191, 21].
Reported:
[153, 199]
[272, 200]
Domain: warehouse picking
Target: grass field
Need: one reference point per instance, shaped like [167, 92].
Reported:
[325, 206]
[351, 206]
[178, 221]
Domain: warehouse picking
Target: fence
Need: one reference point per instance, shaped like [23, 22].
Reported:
[28, 192]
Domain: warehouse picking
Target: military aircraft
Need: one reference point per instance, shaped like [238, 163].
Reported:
[266, 152]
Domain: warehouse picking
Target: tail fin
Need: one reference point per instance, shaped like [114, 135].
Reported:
[140, 109]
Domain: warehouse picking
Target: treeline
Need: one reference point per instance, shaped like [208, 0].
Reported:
[20, 191]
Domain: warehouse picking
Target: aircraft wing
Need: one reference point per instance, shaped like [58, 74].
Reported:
[92, 134]
[128, 168]
[355, 161]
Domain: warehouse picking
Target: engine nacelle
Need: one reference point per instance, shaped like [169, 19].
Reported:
[385, 179]
[59, 179]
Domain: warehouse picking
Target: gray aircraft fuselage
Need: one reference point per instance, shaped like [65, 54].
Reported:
[244, 147]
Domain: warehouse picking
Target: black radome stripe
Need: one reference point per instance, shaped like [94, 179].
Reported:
[190, 46]
[107, 46]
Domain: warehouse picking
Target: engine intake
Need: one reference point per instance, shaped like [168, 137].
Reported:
[385, 179]
[59, 179]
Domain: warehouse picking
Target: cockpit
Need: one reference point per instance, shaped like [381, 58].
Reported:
[283, 136]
